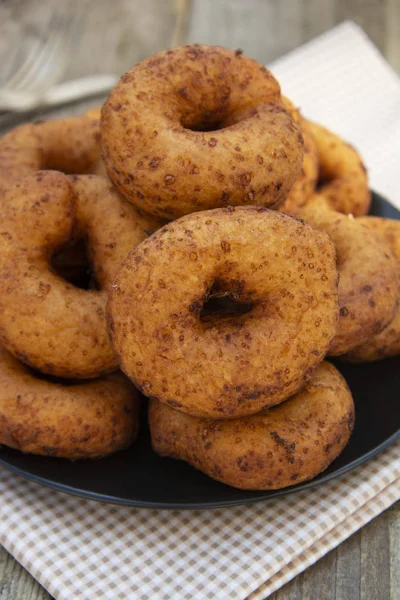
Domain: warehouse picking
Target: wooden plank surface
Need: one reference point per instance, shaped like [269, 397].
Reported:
[113, 34]
[364, 567]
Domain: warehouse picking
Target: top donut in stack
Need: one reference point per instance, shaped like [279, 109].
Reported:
[199, 127]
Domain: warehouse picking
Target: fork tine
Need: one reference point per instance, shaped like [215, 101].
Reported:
[26, 65]
[27, 75]
[45, 54]
[30, 59]
[53, 65]
[55, 62]
[45, 64]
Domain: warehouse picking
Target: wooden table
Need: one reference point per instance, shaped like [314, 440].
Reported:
[117, 33]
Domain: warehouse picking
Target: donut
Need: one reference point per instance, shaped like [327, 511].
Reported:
[386, 229]
[368, 283]
[199, 127]
[45, 321]
[68, 145]
[278, 270]
[343, 176]
[386, 343]
[306, 182]
[70, 420]
[288, 444]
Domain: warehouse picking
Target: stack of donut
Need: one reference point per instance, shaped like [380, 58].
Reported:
[228, 257]
[59, 394]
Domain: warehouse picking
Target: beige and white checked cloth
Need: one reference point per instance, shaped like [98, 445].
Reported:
[81, 550]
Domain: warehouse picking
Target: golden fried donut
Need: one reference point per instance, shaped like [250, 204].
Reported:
[386, 343]
[70, 420]
[199, 127]
[368, 284]
[45, 321]
[288, 444]
[215, 365]
[343, 176]
[386, 229]
[68, 145]
[306, 182]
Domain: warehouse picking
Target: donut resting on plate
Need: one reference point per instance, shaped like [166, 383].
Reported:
[369, 276]
[342, 174]
[288, 444]
[70, 420]
[386, 343]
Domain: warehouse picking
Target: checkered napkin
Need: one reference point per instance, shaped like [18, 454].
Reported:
[83, 550]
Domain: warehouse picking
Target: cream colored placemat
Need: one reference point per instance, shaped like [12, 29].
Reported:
[82, 550]
[341, 80]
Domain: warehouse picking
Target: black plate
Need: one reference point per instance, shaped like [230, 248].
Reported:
[138, 477]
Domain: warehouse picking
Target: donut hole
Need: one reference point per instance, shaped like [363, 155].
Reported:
[325, 177]
[208, 122]
[322, 181]
[71, 263]
[223, 307]
[205, 125]
[226, 299]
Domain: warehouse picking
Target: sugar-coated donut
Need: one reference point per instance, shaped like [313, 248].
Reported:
[386, 343]
[368, 283]
[343, 176]
[69, 145]
[45, 321]
[69, 420]
[225, 365]
[199, 127]
[288, 444]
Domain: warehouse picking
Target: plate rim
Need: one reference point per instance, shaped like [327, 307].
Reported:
[107, 499]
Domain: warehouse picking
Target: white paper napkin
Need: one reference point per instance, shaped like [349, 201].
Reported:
[342, 81]
[82, 550]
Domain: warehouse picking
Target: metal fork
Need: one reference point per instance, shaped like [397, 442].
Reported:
[43, 67]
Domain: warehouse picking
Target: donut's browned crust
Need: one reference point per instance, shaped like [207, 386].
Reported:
[288, 444]
[69, 145]
[199, 127]
[306, 182]
[225, 366]
[44, 321]
[368, 284]
[85, 420]
[386, 343]
[344, 181]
